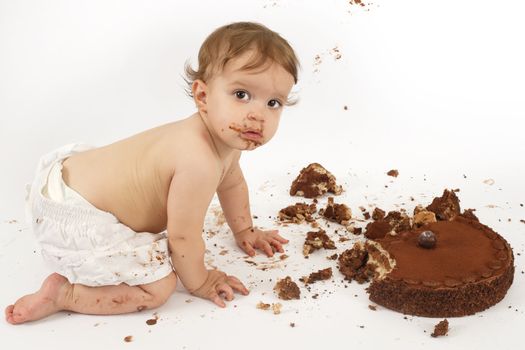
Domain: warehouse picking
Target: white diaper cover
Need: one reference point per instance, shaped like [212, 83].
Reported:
[83, 243]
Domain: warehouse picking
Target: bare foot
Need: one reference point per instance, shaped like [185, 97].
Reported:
[37, 305]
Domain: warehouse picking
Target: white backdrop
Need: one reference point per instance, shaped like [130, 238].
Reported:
[434, 89]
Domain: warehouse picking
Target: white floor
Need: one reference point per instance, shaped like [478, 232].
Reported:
[434, 90]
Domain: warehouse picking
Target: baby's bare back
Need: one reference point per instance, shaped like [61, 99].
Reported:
[131, 178]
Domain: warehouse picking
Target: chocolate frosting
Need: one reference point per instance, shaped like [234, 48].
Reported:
[465, 251]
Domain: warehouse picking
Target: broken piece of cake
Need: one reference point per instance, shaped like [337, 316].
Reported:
[339, 213]
[422, 216]
[392, 224]
[287, 289]
[314, 181]
[440, 329]
[365, 261]
[317, 240]
[445, 207]
[321, 275]
[298, 213]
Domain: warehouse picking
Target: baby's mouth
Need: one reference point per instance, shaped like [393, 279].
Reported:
[252, 134]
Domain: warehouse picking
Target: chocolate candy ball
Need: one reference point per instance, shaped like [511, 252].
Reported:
[427, 239]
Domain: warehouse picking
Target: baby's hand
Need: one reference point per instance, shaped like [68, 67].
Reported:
[252, 238]
[219, 284]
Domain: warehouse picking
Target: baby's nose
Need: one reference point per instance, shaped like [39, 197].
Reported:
[255, 116]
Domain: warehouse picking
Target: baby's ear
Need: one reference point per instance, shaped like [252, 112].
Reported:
[199, 91]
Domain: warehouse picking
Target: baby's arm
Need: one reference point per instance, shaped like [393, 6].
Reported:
[235, 203]
[234, 198]
[190, 193]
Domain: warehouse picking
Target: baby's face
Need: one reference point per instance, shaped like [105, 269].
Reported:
[244, 107]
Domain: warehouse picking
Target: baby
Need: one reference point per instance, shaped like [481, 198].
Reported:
[119, 223]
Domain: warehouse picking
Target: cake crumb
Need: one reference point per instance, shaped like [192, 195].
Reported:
[393, 173]
[372, 307]
[151, 322]
[440, 329]
[263, 306]
[489, 182]
[128, 338]
[276, 308]
[292, 324]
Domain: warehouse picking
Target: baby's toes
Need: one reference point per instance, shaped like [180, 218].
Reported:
[9, 311]
[19, 315]
[10, 316]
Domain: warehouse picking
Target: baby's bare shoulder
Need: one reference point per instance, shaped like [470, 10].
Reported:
[186, 150]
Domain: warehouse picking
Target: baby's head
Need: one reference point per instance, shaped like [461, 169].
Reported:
[245, 75]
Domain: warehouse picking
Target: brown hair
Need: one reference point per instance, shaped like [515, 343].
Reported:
[232, 40]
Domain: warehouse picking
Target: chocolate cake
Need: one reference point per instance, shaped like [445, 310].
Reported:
[378, 214]
[469, 269]
[335, 212]
[423, 216]
[441, 329]
[392, 224]
[314, 181]
[298, 213]
[451, 267]
[287, 289]
[445, 207]
[365, 261]
[317, 240]
[321, 275]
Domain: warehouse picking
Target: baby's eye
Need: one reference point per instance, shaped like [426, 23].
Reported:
[274, 104]
[242, 95]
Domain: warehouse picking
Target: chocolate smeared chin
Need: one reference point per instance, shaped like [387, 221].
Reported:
[252, 143]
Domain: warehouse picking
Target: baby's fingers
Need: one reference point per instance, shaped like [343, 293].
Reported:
[265, 247]
[224, 288]
[277, 245]
[237, 285]
[217, 299]
[247, 247]
[278, 237]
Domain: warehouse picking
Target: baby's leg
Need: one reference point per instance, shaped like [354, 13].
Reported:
[57, 294]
